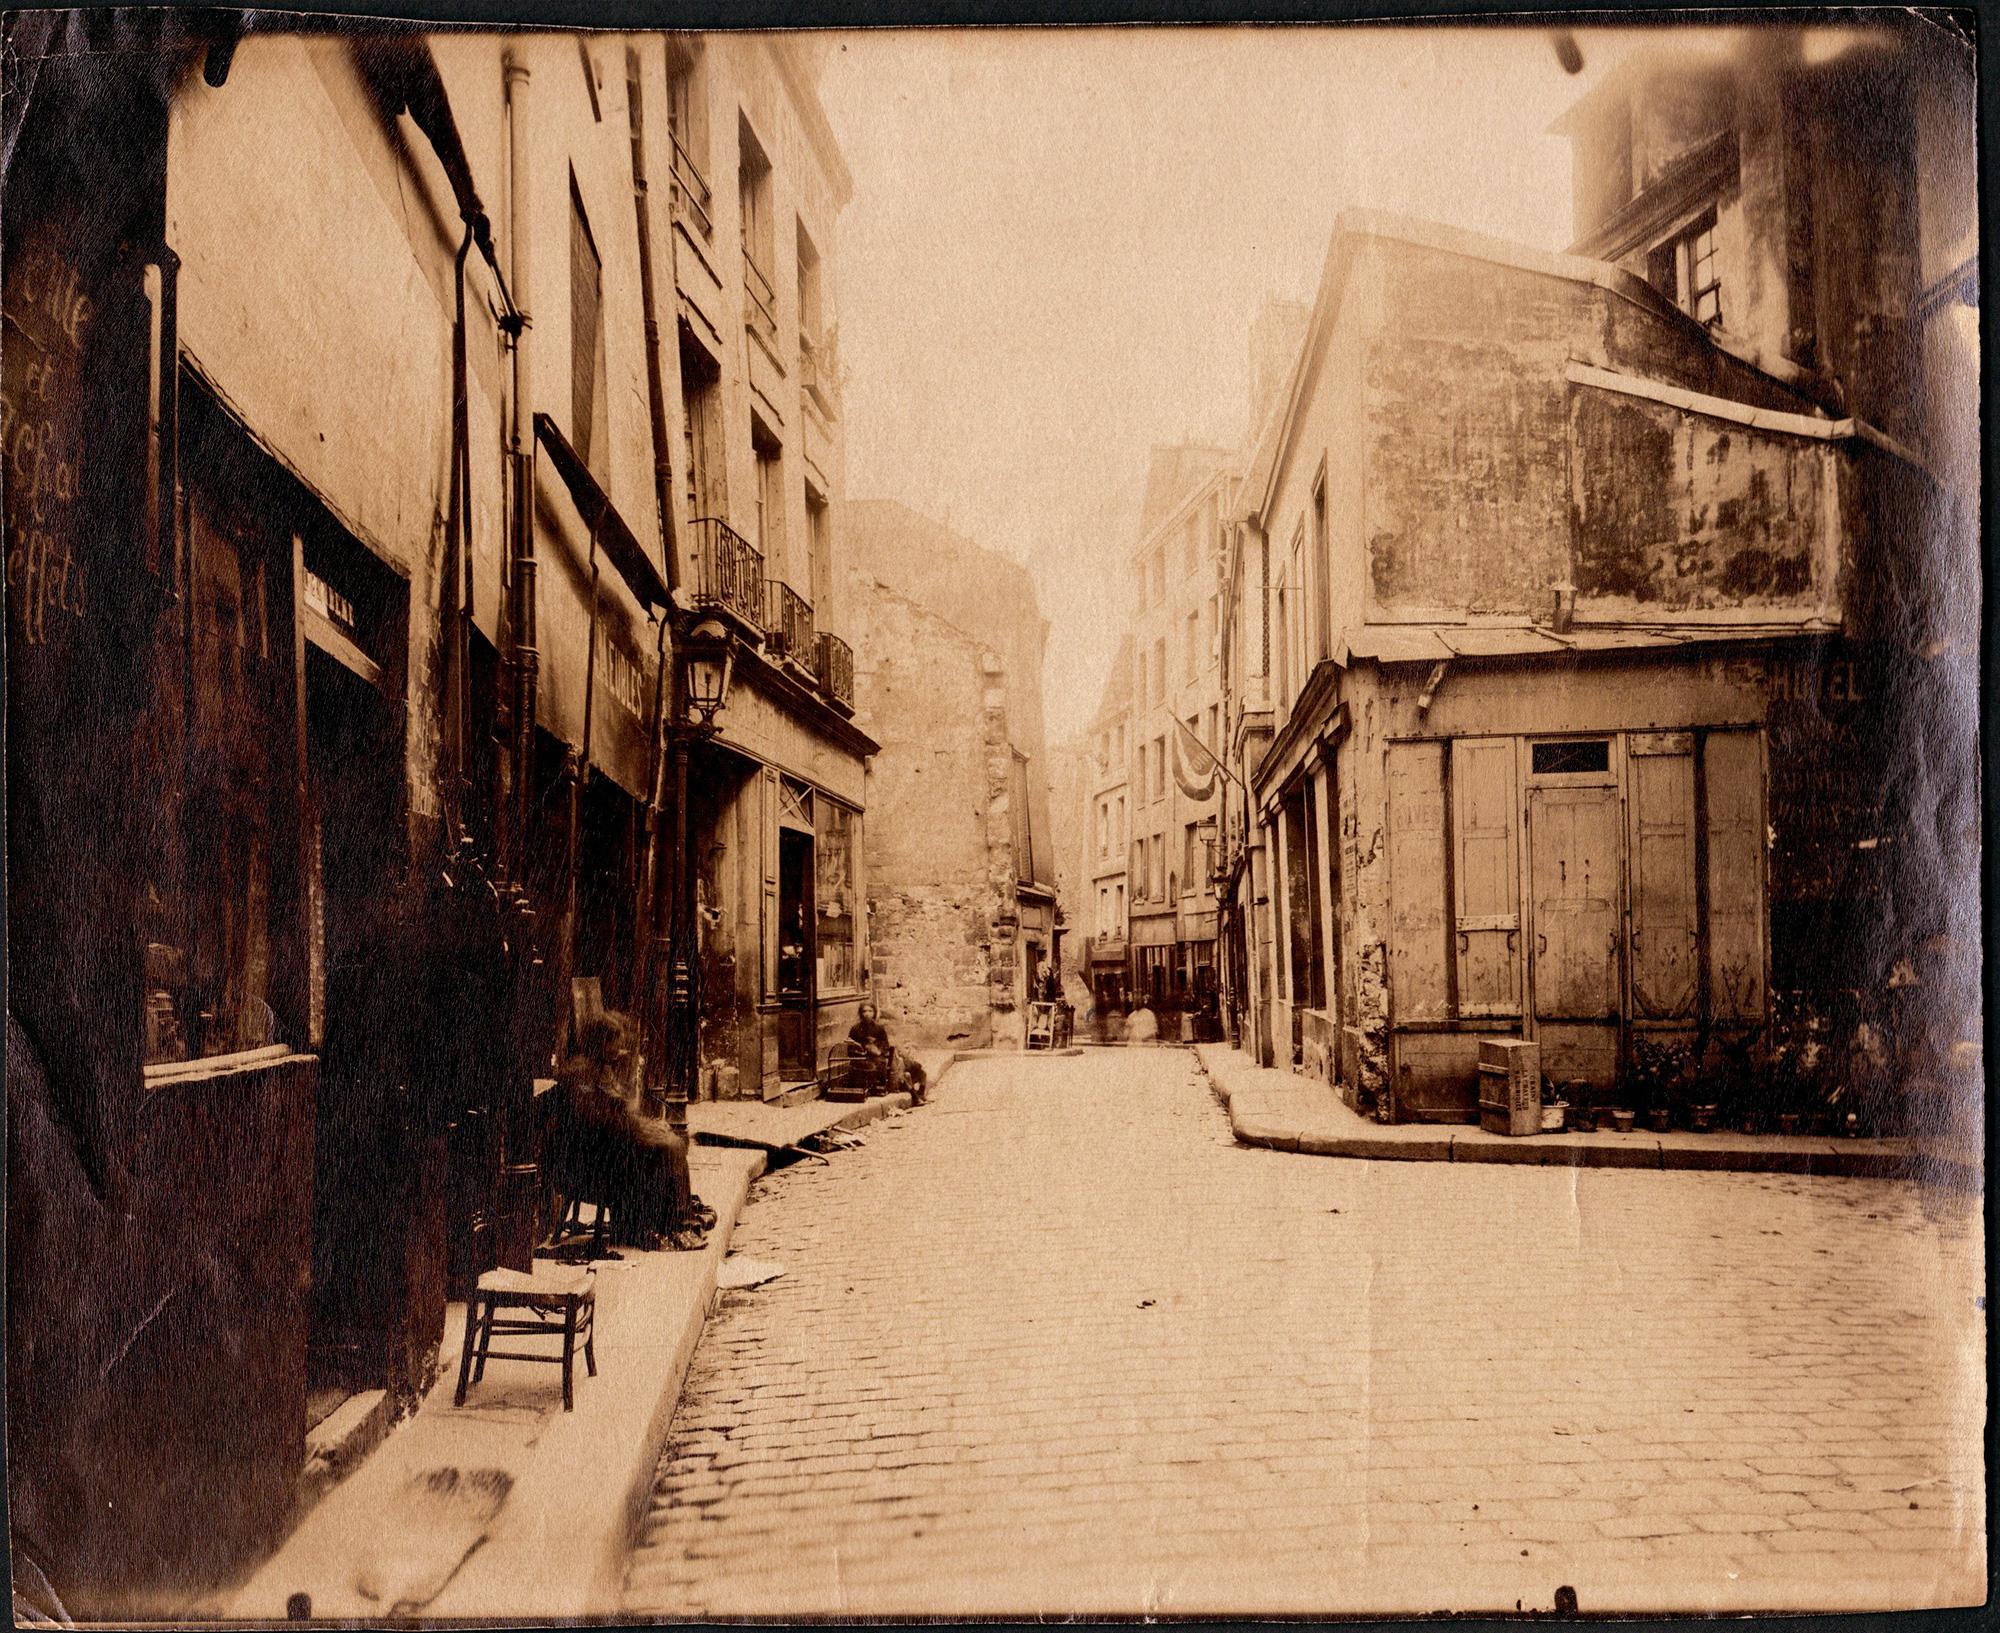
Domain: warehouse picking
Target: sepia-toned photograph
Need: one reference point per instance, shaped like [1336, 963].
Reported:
[889, 823]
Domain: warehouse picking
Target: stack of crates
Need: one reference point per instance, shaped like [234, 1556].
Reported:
[1510, 1086]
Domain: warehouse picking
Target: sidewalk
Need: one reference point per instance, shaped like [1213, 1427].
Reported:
[1288, 1112]
[508, 1508]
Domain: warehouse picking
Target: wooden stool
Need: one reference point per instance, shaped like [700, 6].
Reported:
[557, 1303]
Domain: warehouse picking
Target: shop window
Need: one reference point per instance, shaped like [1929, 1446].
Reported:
[834, 894]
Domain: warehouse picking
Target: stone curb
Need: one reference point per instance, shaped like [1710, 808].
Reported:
[1258, 1123]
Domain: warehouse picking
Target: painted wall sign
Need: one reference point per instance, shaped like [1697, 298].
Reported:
[42, 442]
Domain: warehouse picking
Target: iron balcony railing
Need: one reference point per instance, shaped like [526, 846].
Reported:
[763, 316]
[728, 571]
[691, 190]
[788, 625]
[836, 669]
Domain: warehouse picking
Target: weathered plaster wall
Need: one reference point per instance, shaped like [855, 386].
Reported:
[935, 903]
[1469, 492]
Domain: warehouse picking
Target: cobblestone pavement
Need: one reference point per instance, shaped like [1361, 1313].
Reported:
[1057, 1344]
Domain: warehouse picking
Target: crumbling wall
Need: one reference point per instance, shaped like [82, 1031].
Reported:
[938, 830]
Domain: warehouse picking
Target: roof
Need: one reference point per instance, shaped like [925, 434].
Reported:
[1175, 472]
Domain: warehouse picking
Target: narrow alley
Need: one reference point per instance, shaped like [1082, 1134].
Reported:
[1057, 1345]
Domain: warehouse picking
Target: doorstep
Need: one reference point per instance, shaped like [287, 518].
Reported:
[575, 1483]
[1285, 1111]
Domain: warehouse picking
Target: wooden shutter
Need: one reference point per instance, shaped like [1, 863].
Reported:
[1418, 987]
[1486, 844]
[1664, 967]
[1733, 769]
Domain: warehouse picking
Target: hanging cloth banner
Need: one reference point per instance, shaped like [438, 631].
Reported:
[1194, 766]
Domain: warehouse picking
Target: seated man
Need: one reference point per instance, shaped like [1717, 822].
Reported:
[608, 1151]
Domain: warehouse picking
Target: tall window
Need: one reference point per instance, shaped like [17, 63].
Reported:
[819, 546]
[770, 500]
[586, 338]
[1159, 768]
[701, 403]
[1684, 269]
[687, 127]
[1193, 644]
[753, 198]
[1160, 671]
[1024, 832]
[1190, 858]
[1192, 544]
[835, 893]
[812, 321]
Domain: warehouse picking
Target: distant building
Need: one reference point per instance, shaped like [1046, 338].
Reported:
[1176, 715]
[1103, 905]
[961, 870]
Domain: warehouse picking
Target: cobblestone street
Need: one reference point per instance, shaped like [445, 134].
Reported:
[1057, 1344]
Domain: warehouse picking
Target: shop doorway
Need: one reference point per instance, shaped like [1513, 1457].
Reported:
[797, 1041]
[353, 787]
[1575, 862]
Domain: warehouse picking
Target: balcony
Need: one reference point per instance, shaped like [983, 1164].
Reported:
[836, 671]
[788, 626]
[728, 573]
[693, 198]
[762, 316]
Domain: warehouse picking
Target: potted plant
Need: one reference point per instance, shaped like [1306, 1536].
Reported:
[1654, 1075]
[1555, 1106]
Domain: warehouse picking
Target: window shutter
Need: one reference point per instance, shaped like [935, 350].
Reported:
[1663, 898]
[1733, 769]
[1417, 938]
[1486, 835]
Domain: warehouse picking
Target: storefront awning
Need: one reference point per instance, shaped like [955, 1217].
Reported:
[601, 516]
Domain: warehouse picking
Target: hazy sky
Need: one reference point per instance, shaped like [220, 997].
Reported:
[1059, 239]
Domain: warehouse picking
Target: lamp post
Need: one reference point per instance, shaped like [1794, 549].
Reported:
[704, 658]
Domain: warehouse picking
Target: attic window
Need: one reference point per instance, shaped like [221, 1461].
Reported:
[1684, 268]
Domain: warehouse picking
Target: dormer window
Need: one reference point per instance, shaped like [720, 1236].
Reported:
[1686, 271]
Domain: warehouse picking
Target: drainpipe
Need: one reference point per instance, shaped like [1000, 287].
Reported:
[521, 459]
[650, 914]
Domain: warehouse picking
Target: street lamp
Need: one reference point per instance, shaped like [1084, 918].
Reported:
[704, 661]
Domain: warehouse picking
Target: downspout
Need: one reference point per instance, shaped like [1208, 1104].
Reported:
[521, 458]
[649, 917]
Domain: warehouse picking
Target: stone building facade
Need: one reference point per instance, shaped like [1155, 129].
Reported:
[961, 867]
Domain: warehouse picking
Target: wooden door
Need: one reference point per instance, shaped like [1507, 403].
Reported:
[1573, 843]
[1664, 968]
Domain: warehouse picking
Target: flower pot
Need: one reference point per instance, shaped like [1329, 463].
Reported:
[1701, 1118]
[1553, 1115]
[1788, 1122]
[1622, 1121]
[1582, 1120]
[1659, 1120]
